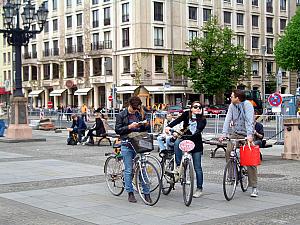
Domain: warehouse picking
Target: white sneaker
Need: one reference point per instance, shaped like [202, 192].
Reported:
[254, 193]
[198, 193]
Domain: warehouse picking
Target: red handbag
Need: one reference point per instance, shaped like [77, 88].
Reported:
[249, 155]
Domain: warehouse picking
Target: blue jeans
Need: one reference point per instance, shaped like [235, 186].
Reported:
[128, 156]
[196, 161]
[161, 142]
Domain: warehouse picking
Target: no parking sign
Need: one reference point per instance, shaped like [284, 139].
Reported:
[275, 99]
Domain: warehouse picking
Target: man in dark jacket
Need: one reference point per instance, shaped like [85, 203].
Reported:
[78, 126]
[127, 121]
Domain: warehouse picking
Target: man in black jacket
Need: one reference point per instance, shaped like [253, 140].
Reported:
[127, 122]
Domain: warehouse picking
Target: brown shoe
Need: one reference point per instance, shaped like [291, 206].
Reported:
[131, 197]
[148, 198]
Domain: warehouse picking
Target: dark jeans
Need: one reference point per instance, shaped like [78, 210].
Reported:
[69, 117]
[83, 116]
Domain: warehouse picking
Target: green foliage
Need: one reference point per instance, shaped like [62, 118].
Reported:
[287, 49]
[215, 64]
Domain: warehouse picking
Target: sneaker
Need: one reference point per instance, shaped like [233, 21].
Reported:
[131, 197]
[254, 193]
[148, 198]
[198, 193]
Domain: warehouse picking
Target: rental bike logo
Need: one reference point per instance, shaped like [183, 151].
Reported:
[187, 145]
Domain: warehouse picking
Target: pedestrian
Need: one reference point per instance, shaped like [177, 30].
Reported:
[193, 124]
[69, 113]
[84, 112]
[127, 121]
[258, 133]
[78, 127]
[240, 117]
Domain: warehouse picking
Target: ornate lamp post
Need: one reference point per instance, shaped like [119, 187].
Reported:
[19, 35]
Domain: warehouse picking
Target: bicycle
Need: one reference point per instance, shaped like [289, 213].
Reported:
[144, 174]
[234, 173]
[185, 173]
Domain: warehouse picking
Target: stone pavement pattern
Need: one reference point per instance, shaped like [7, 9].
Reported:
[51, 183]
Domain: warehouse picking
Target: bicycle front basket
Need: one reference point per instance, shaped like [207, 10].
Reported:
[141, 141]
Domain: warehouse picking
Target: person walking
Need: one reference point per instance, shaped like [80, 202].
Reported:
[84, 110]
[240, 117]
[127, 122]
[193, 123]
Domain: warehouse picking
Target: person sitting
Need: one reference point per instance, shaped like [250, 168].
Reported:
[78, 126]
[258, 133]
[96, 130]
[163, 139]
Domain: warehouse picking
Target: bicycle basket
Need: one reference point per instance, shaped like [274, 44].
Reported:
[141, 141]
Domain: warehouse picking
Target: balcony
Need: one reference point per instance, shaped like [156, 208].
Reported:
[79, 48]
[158, 42]
[55, 51]
[46, 52]
[27, 55]
[101, 45]
[70, 49]
[106, 21]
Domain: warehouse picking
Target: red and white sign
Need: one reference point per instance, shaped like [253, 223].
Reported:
[275, 99]
[186, 145]
[50, 105]
[110, 98]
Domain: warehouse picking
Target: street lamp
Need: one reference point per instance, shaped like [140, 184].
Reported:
[18, 35]
[263, 76]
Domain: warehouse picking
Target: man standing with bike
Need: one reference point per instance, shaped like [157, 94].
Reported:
[127, 121]
[240, 117]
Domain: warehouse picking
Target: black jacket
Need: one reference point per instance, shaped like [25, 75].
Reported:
[122, 123]
[197, 136]
[99, 127]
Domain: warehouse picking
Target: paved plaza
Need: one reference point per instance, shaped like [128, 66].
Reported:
[52, 183]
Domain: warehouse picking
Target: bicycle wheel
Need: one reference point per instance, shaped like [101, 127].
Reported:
[113, 171]
[244, 178]
[167, 179]
[188, 182]
[155, 162]
[147, 180]
[230, 179]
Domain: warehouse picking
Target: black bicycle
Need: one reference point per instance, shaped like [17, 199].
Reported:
[234, 173]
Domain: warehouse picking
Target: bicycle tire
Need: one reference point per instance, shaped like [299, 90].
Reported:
[114, 175]
[155, 161]
[230, 179]
[167, 180]
[188, 171]
[147, 168]
[244, 178]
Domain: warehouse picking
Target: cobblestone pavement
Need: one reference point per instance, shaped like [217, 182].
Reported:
[52, 183]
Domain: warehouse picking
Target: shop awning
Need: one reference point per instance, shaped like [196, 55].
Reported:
[172, 90]
[83, 91]
[126, 89]
[57, 92]
[35, 93]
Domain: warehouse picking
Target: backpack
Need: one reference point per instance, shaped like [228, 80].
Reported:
[72, 140]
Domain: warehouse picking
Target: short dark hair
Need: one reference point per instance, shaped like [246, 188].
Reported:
[135, 102]
[239, 94]
[74, 116]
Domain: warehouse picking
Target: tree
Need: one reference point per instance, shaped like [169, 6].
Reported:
[287, 49]
[215, 63]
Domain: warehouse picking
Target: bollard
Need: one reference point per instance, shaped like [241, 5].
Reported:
[291, 139]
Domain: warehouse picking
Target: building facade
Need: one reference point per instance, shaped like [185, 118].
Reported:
[92, 49]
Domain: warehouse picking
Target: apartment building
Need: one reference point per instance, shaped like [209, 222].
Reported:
[89, 48]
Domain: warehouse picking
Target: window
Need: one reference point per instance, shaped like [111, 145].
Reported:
[33, 50]
[255, 2]
[240, 19]
[4, 75]
[227, 17]
[228, 1]
[126, 64]
[33, 27]
[158, 36]
[283, 5]
[240, 1]
[95, 18]
[255, 41]
[159, 61]
[269, 25]
[206, 14]
[107, 40]
[254, 21]
[269, 45]
[94, 2]
[69, 45]
[79, 19]
[54, 5]
[46, 27]
[125, 12]
[269, 67]
[125, 37]
[80, 68]
[255, 68]
[55, 71]
[69, 21]
[95, 38]
[8, 58]
[46, 71]
[97, 66]
[106, 16]
[269, 6]
[26, 73]
[46, 49]
[55, 47]
[79, 44]
[69, 3]
[241, 40]
[158, 11]
[78, 2]
[282, 24]
[192, 13]
[297, 2]
[55, 25]
[70, 69]
[4, 58]
[192, 34]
